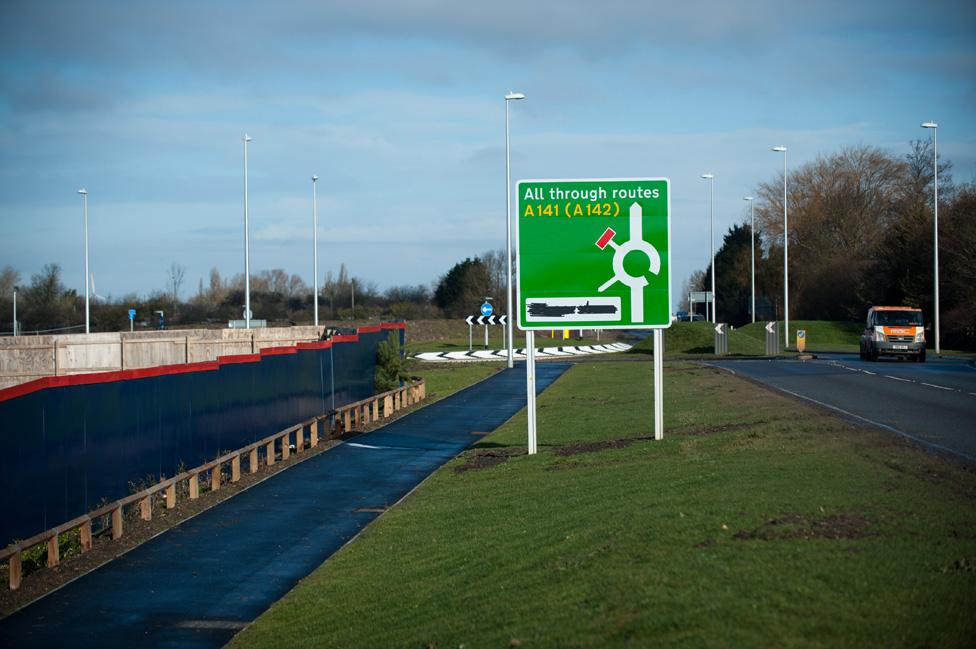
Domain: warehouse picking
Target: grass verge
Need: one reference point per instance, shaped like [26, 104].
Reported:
[758, 521]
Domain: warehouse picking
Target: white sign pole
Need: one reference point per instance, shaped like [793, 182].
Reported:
[470, 334]
[530, 387]
[658, 384]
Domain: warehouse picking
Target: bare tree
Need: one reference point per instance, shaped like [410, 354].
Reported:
[176, 276]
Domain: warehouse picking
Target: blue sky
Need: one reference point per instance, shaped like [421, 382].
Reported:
[398, 108]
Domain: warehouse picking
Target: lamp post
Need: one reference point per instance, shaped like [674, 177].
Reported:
[752, 235]
[247, 248]
[510, 97]
[935, 247]
[84, 195]
[711, 237]
[315, 249]
[15, 312]
[786, 258]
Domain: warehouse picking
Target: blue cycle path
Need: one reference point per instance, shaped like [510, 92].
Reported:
[199, 583]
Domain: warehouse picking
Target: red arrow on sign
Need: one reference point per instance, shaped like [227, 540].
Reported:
[607, 237]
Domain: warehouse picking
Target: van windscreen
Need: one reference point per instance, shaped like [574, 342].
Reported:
[899, 318]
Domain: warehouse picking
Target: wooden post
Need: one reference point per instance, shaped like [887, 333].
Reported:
[376, 409]
[194, 486]
[117, 523]
[145, 508]
[85, 532]
[253, 460]
[53, 552]
[356, 415]
[346, 417]
[313, 434]
[423, 389]
[387, 406]
[215, 477]
[16, 571]
[171, 495]
[269, 453]
[235, 468]
[300, 439]
[284, 446]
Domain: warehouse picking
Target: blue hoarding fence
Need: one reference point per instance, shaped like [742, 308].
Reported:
[73, 442]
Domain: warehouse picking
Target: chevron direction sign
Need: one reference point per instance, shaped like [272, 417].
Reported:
[594, 253]
[486, 320]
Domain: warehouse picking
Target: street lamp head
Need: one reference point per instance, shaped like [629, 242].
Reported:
[83, 191]
[314, 178]
[514, 96]
[707, 176]
[780, 149]
[247, 138]
[929, 125]
[747, 198]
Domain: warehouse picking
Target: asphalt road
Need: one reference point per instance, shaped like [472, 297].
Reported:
[933, 403]
[196, 585]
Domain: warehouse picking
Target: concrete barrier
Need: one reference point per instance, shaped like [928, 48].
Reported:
[26, 358]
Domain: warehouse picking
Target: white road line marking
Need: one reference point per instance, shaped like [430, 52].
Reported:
[919, 440]
[898, 378]
[941, 387]
[869, 372]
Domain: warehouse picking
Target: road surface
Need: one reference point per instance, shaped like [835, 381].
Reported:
[933, 403]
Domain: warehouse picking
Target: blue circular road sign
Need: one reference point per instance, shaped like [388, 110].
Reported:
[486, 309]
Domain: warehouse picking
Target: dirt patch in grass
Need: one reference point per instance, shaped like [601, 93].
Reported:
[798, 526]
[712, 430]
[577, 448]
[487, 458]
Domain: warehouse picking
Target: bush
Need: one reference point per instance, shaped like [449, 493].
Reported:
[391, 364]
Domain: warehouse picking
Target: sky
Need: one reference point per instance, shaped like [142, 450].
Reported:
[399, 109]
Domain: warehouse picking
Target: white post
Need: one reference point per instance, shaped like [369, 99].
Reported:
[486, 335]
[247, 249]
[84, 195]
[530, 388]
[470, 336]
[935, 256]
[711, 236]
[15, 312]
[511, 96]
[315, 250]
[658, 384]
[711, 239]
[752, 236]
[786, 259]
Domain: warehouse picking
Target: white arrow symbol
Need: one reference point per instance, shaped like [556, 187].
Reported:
[491, 319]
[769, 327]
[481, 319]
[469, 320]
[502, 319]
[718, 327]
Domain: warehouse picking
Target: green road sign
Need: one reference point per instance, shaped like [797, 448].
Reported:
[594, 253]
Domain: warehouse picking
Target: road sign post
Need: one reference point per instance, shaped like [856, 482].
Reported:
[772, 339]
[132, 317]
[721, 339]
[801, 340]
[594, 254]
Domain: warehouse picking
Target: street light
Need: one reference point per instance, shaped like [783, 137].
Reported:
[711, 237]
[935, 170]
[247, 249]
[315, 249]
[15, 312]
[84, 195]
[511, 96]
[786, 259]
[752, 234]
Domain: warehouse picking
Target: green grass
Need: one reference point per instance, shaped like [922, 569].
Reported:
[446, 378]
[542, 339]
[721, 535]
[696, 339]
